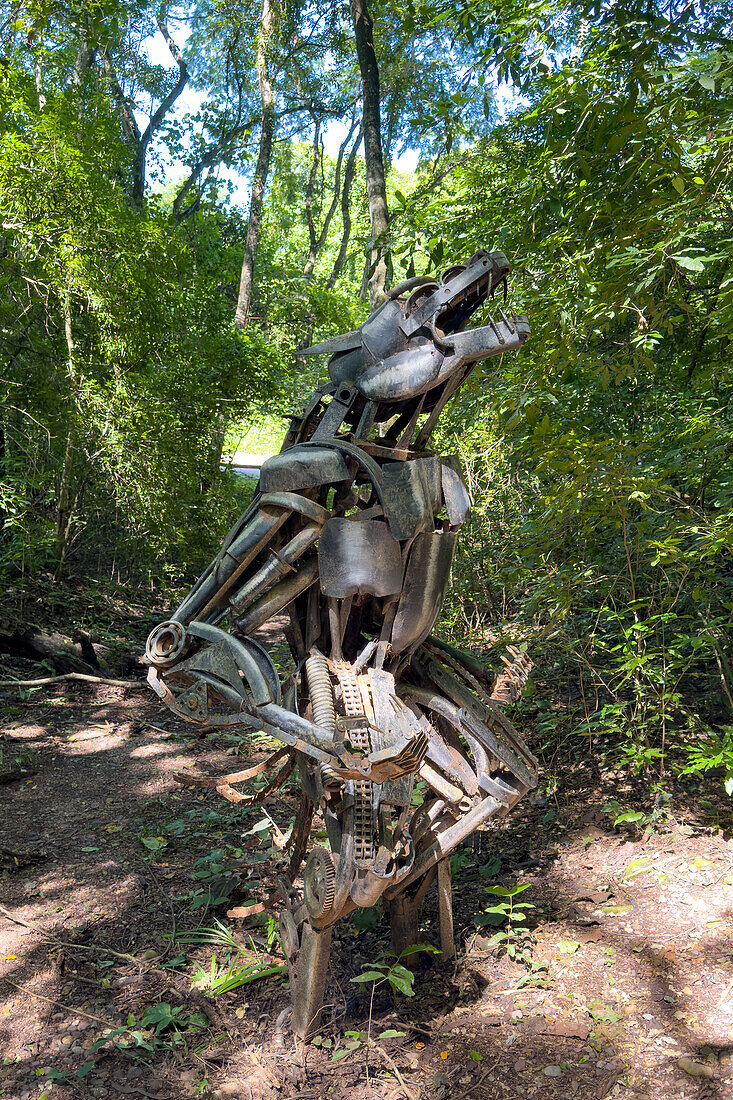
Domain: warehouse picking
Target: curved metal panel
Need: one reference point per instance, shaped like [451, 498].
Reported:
[359, 557]
[426, 578]
[402, 375]
[455, 495]
[301, 468]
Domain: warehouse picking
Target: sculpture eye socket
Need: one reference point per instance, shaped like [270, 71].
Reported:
[451, 272]
[418, 297]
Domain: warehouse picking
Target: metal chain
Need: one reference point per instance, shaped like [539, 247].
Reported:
[457, 666]
[353, 705]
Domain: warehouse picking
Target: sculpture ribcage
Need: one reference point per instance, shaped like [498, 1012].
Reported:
[349, 542]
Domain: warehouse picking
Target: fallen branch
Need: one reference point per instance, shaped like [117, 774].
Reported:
[392, 1065]
[68, 676]
[48, 938]
[72, 1011]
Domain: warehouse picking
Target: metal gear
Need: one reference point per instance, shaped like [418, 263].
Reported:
[319, 879]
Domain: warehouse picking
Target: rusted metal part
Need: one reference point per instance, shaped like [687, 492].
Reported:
[190, 779]
[426, 577]
[510, 681]
[224, 784]
[359, 557]
[351, 533]
[278, 598]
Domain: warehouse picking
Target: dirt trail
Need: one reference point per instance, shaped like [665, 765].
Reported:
[626, 988]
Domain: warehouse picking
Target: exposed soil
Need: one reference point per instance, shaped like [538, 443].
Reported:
[626, 988]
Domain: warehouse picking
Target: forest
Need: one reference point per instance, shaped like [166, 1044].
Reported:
[190, 194]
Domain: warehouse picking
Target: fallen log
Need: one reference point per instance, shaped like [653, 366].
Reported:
[63, 653]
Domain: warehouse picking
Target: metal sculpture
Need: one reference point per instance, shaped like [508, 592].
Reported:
[350, 537]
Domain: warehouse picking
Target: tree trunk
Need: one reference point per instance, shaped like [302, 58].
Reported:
[317, 241]
[345, 213]
[371, 127]
[267, 21]
[64, 508]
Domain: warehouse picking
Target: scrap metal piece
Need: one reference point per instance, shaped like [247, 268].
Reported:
[407, 498]
[455, 494]
[319, 880]
[426, 578]
[279, 597]
[308, 973]
[359, 558]
[302, 468]
[278, 566]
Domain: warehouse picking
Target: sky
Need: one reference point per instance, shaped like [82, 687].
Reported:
[190, 101]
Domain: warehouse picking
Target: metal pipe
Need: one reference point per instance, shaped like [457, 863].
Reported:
[447, 841]
[446, 790]
[279, 597]
[294, 724]
[276, 568]
[234, 561]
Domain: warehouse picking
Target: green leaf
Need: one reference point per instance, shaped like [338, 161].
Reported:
[402, 980]
[368, 976]
[568, 947]
[415, 947]
[689, 263]
[153, 843]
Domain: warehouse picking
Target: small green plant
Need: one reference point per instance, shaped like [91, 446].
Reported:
[715, 751]
[352, 1041]
[401, 980]
[153, 844]
[143, 1037]
[506, 910]
[225, 978]
[17, 763]
[640, 819]
[229, 973]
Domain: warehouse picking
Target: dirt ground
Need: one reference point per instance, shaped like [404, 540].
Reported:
[621, 984]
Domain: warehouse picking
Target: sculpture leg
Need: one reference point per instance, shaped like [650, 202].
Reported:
[308, 979]
[404, 912]
[445, 910]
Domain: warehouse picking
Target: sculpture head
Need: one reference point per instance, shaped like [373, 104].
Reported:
[418, 337]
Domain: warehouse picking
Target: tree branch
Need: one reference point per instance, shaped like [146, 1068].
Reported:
[345, 214]
[317, 243]
[124, 107]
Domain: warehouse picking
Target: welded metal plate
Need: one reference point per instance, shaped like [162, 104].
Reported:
[455, 494]
[359, 557]
[405, 497]
[302, 468]
[426, 578]
[401, 376]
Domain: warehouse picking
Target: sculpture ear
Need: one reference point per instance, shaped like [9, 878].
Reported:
[344, 342]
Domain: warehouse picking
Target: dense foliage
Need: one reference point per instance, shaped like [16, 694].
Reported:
[600, 458]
